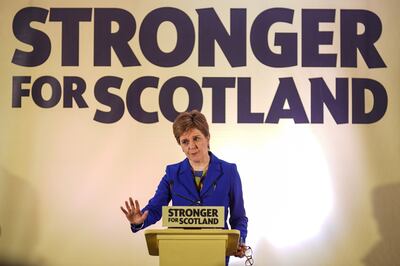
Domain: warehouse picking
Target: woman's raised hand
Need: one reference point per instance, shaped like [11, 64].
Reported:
[133, 213]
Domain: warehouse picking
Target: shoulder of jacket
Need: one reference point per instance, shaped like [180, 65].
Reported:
[173, 168]
[224, 164]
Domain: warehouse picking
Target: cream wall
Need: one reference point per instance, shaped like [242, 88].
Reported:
[334, 189]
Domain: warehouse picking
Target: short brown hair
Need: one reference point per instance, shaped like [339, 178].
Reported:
[190, 120]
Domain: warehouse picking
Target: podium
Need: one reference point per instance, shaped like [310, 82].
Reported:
[195, 247]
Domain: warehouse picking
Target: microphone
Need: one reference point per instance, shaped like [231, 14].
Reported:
[194, 202]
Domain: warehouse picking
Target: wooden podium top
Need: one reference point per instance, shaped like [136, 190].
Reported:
[154, 235]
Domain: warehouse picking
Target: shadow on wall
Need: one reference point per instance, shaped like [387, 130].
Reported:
[18, 221]
[386, 205]
[14, 263]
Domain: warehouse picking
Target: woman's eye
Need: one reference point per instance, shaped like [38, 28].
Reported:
[184, 142]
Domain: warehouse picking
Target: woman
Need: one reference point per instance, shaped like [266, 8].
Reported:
[201, 179]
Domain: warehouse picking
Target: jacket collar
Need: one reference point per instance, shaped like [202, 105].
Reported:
[213, 173]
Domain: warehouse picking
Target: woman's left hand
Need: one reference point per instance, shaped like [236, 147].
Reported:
[240, 251]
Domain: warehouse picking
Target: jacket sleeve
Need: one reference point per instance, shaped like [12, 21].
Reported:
[161, 198]
[238, 219]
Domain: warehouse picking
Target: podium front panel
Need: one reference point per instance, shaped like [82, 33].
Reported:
[182, 247]
[192, 251]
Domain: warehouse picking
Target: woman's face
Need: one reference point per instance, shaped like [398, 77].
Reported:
[195, 145]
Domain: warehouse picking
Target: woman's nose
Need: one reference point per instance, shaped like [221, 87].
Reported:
[192, 145]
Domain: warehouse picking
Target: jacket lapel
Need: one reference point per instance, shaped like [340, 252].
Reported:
[213, 173]
[186, 179]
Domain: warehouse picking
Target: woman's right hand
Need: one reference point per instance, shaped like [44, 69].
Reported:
[133, 213]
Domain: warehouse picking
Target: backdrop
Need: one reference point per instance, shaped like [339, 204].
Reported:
[302, 95]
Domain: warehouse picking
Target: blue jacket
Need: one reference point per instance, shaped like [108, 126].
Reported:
[221, 187]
